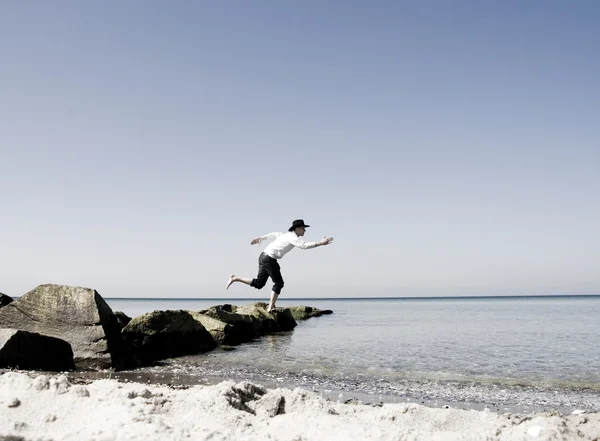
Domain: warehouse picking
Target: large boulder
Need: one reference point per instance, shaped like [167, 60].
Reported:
[244, 325]
[252, 320]
[306, 312]
[30, 350]
[263, 321]
[222, 332]
[284, 318]
[165, 334]
[5, 300]
[80, 316]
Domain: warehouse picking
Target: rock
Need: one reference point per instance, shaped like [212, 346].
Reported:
[14, 402]
[80, 316]
[30, 350]
[270, 405]
[122, 319]
[245, 329]
[284, 318]
[5, 300]
[251, 321]
[223, 333]
[164, 334]
[262, 321]
[306, 312]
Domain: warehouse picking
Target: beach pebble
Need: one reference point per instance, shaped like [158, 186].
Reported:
[578, 412]
[270, 405]
[14, 402]
[146, 394]
[49, 418]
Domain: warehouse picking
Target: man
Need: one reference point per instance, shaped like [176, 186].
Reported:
[267, 261]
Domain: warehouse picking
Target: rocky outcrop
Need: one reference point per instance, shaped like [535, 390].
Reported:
[40, 320]
[306, 312]
[5, 300]
[164, 334]
[30, 350]
[249, 321]
[80, 316]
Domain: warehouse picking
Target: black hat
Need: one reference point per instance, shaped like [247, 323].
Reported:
[298, 223]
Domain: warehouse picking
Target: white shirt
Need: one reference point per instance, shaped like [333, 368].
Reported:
[284, 242]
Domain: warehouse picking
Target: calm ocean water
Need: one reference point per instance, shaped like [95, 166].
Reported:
[533, 342]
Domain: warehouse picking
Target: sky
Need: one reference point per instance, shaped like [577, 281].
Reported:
[450, 148]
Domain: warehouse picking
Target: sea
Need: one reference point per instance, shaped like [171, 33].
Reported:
[503, 354]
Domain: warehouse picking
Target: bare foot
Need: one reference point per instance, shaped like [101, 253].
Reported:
[231, 280]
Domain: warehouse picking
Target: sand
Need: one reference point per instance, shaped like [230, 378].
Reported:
[44, 407]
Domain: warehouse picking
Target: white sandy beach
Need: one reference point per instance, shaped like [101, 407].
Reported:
[40, 407]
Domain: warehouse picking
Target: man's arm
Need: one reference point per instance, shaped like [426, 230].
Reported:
[258, 240]
[308, 245]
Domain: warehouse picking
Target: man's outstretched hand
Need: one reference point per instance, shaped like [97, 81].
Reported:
[256, 241]
[326, 241]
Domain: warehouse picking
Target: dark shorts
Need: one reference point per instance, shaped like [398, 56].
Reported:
[268, 267]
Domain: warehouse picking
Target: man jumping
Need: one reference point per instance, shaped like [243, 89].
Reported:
[267, 261]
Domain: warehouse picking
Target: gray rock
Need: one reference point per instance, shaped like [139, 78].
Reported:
[223, 333]
[5, 300]
[80, 316]
[263, 321]
[165, 334]
[251, 321]
[30, 350]
[306, 312]
[270, 405]
[245, 328]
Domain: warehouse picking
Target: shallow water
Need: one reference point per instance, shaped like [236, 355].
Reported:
[539, 351]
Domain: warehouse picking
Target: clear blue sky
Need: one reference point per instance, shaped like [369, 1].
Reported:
[450, 148]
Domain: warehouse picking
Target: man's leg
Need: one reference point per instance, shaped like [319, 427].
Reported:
[258, 282]
[234, 278]
[275, 273]
[274, 296]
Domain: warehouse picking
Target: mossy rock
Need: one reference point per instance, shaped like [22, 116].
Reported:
[245, 325]
[263, 321]
[284, 318]
[165, 334]
[222, 332]
[306, 312]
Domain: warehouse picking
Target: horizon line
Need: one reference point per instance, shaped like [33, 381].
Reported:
[362, 298]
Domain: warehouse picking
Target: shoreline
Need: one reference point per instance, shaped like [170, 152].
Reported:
[466, 395]
[43, 407]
